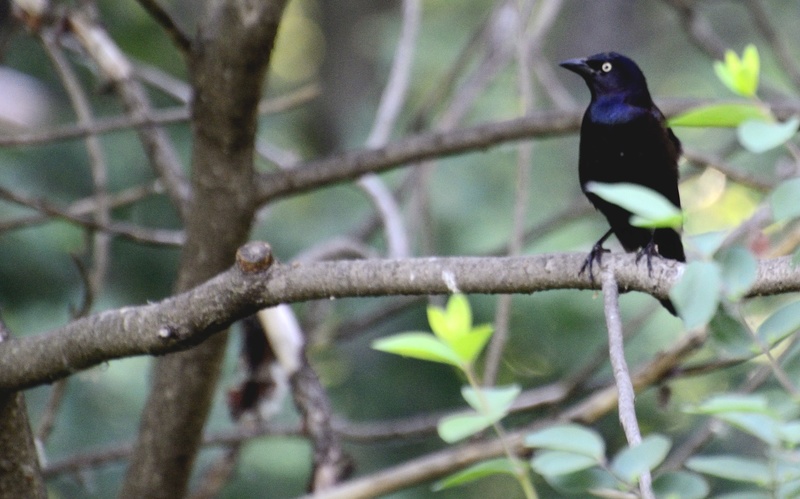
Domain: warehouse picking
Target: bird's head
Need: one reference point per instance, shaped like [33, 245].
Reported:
[610, 73]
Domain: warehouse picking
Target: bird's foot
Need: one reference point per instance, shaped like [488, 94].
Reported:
[595, 255]
[648, 251]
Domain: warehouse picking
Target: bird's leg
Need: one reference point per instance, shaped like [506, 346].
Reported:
[648, 250]
[596, 254]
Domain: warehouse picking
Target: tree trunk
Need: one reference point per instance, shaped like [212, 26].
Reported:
[228, 61]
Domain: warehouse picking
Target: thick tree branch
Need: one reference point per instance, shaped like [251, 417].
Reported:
[189, 318]
[20, 474]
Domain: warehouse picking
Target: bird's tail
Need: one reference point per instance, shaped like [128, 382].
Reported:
[669, 246]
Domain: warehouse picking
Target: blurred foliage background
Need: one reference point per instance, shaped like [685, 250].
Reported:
[346, 48]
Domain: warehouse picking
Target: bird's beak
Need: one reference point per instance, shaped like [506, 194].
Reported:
[576, 66]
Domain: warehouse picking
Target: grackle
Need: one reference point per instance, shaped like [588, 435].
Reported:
[624, 138]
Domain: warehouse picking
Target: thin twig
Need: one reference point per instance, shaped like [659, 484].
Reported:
[760, 17]
[130, 231]
[101, 241]
[160, 16]
[711, 161]
[498, 51]
[703, 435]
[115, 66]
[167, 116]
[391, 102]
[622, 378]
[699, 29]
[84, 206]
[218, 474]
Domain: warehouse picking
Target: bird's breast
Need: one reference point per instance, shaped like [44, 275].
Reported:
[613, 112]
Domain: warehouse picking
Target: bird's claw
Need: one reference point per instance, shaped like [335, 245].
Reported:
[648, 251]
[595, 255]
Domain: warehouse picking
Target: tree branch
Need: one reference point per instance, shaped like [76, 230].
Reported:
[188, 318]
[423, 146]
[161, 16]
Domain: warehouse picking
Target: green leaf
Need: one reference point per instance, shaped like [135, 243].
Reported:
[780, 324]
[740, 75]
[477, 471]
[739, 271]
[631, 462]
[453, 325]
[556, 462]
[423, 346]
[672, 221]
[569, 438]
[731, 338]
[706, 243]
[581, 482]
[440, 324]
[498, 400]
[764, 427]
[470, 345]
[784, 200]
[680, 485]
[789, 490]
[790, 433]
[720, 404]
[785, 469]
[696, 295]
[650, 209]
[732, 467]
[758, 136]
[459, 313]
[453, 321]
[460, 426]
[750, 494]
[725, 115]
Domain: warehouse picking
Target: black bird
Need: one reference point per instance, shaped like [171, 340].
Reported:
[624, 138]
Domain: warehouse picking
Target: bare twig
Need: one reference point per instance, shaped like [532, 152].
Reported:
[218, 474]
[83, 206]
[719, 164]
[101, 241]
[760, 17]
[143, 235]
[181, 114]
[412, 149]
[698, 28]
[102, 49]
[703, 435]
[160, 16]
[391, 102]
[622, 378]
[394, 94]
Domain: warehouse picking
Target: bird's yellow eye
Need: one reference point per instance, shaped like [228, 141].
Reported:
[606, 67]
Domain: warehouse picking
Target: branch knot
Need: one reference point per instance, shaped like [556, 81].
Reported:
[255, 256]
